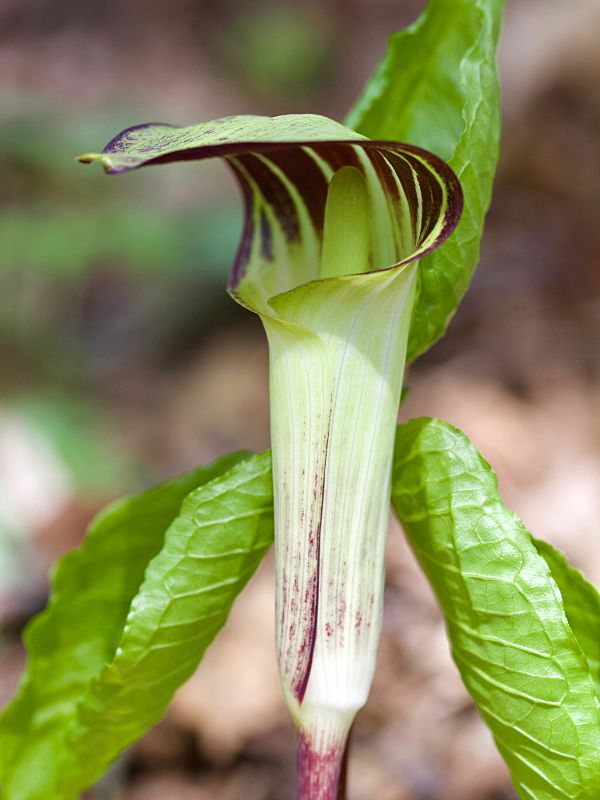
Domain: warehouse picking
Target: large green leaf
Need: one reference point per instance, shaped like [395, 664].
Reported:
[511, 637]
[437, 88]
[113, 645]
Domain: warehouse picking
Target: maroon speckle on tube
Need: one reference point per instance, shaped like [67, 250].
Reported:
[318, 772]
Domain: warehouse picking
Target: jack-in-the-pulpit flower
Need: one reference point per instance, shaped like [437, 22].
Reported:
[334, 227]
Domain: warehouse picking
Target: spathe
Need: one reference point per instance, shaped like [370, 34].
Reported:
[319, 197]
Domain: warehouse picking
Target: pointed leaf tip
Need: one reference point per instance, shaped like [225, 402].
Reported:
[101, 158]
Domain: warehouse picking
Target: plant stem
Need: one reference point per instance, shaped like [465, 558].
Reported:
[318, 772]
[343, 780]
[322, 761]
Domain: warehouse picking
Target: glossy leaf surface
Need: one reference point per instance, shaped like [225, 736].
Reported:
[581, 602]
[518, 655]
[437, 87]
[131, 614]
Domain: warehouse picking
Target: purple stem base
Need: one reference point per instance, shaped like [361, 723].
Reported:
[321, 774]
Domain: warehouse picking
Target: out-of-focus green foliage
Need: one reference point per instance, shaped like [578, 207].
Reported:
[279, 49]
[66, 242]
[76, 432]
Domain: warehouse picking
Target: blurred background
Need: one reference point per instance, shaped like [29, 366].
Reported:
[122, 360]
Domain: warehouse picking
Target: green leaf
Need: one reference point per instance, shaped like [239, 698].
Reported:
[517, 653]
[582, 605]
[437, 88]
[131, 614]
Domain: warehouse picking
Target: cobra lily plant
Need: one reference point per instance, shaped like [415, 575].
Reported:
[330, 259]
[335, 225]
